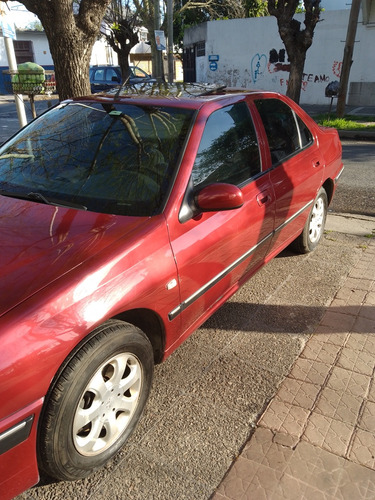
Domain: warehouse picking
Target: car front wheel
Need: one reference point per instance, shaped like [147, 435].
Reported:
[96, 401]
[314, 228]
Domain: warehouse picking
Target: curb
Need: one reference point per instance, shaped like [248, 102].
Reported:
[357, 135]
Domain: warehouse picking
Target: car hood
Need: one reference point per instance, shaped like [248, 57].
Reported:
[40, 243]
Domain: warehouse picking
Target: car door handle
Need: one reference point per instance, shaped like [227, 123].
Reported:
[263, 198]
[316, 163]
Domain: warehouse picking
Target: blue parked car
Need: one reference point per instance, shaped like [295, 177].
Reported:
[104, 77]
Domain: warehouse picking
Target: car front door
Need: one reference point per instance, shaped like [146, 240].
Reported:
[216, 251]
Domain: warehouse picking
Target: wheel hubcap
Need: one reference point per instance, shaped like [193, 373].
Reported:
[316, 220]
[107, 404]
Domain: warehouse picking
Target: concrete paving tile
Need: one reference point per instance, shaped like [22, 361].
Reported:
[258, 445]
[367, 421]
[355, 283]
[318, 350]
[298, 393]
[315, 467]
[313, 372]
[361, 342]
[338, 321]
[371, 394]
[351, 296]
[356, 384]
[356, 482]
[325, 335]
[367, 311]
[285, 439]
[362, 272]
[370, 299]
[358, 361]
[363, 448]
[247, 479]
[339, 405]
[262, 449]
[290, 488]
[328, 433]
[284, 417]
[364, 325]
[238, 479]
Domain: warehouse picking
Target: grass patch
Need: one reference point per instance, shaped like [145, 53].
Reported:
[349, 122]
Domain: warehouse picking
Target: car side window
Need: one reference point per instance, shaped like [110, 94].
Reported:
[228, 151]
[99, 75]
[112, 76]
[306, 136]
[286, 133]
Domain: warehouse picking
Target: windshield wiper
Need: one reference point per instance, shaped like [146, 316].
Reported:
[39, 197]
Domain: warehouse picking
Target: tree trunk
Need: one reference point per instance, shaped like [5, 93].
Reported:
[296, 40]
[297, 64]
[72, 62]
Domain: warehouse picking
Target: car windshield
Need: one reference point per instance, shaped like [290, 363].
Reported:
[109, 158]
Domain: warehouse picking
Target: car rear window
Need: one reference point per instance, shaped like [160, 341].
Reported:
[110, 158]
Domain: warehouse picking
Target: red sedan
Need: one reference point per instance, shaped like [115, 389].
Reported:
[125, 222]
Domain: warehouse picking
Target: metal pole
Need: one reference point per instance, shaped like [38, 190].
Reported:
[348, 55]
[158, 53]
[170, 40]
[12, 63]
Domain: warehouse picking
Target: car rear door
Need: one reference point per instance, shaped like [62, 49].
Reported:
[216, 251]
[296, 167]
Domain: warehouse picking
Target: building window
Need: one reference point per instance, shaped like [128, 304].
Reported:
[201, 49]
[24, 51]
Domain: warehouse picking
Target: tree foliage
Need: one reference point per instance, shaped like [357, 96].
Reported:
[256, 8]
[297, 40]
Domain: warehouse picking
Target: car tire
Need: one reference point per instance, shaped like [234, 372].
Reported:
[96, 401]
[313, 231]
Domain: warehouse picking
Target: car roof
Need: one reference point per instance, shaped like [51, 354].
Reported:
[181, 94]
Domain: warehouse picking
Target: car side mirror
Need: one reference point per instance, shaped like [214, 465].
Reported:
[219, 196]
[115, 79]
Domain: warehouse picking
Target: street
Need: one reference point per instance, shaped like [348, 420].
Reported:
[356, 190]
[207, 397]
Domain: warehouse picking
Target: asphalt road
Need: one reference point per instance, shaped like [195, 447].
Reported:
[356, 190]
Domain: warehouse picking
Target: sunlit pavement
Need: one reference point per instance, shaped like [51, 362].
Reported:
[316, 438]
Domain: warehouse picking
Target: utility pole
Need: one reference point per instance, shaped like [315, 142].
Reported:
[170, 39]
[12, 63]
[348, 57]
[158, 53]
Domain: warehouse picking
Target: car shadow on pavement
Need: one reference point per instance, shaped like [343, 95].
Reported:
[293, 319]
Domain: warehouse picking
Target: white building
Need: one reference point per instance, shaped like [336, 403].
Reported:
[249, 53]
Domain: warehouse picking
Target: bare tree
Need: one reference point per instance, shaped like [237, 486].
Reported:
[120, 29]
[296, 40]
[216, 9]
[72, 28]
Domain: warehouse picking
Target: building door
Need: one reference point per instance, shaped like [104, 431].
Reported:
[189, 65]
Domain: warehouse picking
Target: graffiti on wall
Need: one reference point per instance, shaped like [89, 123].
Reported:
[258, 66]
[277, 61]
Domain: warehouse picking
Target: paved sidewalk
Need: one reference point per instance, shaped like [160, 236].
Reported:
[316, 439]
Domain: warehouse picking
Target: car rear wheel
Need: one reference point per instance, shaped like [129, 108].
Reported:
[96, 401]
[313, 231]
